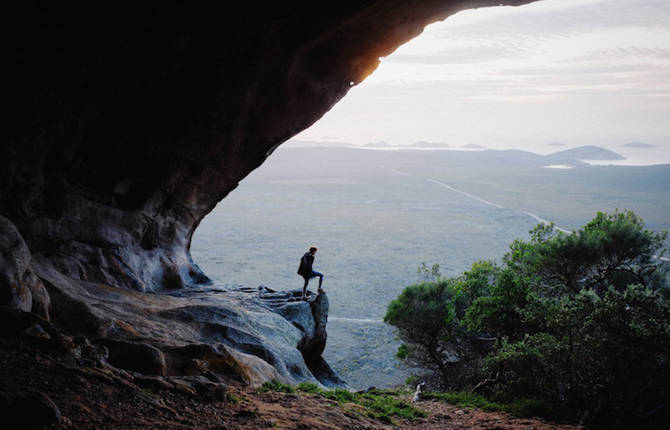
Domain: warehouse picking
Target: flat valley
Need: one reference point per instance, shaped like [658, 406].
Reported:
[376, 215]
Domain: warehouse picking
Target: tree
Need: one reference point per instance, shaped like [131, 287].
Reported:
[429, 275]
[580, 321]
[428, 318]
[611, 250]
[425, 340]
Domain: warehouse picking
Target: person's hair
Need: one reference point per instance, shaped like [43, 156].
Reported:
[313, 248]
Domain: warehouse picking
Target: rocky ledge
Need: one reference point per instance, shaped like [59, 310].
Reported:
[248, 335]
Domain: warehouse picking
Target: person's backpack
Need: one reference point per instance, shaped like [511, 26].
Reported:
[301, 268]
[303, 265]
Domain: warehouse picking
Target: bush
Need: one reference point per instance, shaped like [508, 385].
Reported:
[519, 408]
[307, 387]
[379, 404]
[579, 321]
[276, 386]
[438, 343]
[383, 405]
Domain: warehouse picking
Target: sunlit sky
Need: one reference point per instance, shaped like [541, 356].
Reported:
[575, 72]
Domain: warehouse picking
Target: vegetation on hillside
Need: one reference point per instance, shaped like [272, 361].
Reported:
[382, 405]
[579, 322]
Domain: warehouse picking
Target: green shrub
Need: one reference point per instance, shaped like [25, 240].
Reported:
[341, 395]
[389, 405]
[276, 386]
[307, 387]
[519, 408]
[387, 392]
[232, 399]
[379, 404]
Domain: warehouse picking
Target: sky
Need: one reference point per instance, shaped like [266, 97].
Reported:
[537, 77]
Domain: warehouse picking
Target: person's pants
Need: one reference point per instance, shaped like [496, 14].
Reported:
[313, 275]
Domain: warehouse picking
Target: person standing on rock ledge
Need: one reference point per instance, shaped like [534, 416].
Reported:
[305, 270]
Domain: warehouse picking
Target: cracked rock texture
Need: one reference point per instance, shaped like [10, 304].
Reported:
[125, 124]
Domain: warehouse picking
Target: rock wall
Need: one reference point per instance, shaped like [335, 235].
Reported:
[125, 124]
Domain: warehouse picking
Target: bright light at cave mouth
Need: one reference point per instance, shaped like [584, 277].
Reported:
[579, 72]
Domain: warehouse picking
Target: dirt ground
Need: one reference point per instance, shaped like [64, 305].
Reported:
[91, 398]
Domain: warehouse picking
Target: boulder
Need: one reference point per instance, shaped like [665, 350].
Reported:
[139, 357]
[155, 383]
[73, 314]
[316, 344]
[311, 318]
[20, 288]
[30, 327]
[210, 391]
[242, 340]
[300, 315]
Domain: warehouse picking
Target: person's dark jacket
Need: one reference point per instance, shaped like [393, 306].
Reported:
[306, 262]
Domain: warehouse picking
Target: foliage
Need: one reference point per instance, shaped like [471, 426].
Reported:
[307, 387]
[580, 321]
[428, 319]
[232, 398]
[378, 404]
[339, 394]
[385, 406]
[429, 275]
[519, 408]
[276, 386]
[436, 342]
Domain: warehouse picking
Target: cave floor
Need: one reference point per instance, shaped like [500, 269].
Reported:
[89, 398]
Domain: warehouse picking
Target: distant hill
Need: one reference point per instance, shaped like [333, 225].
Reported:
[424, 144]
[589, 152]
[297, 143]
[638, 145]
[473, 146]
[380, 144]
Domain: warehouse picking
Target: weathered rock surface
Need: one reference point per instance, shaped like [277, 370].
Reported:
[136, 356]
[247, 335]
[310, 317]
[125, 125]
[19, 287]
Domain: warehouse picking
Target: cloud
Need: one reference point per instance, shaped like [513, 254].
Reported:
[638, 145]
[456, 55]
[551, 70]
[518, 98]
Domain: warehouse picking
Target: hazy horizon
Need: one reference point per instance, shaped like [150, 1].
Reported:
[587, 72]
[633, 154]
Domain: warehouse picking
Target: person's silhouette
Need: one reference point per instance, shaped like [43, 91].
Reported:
[307, 272]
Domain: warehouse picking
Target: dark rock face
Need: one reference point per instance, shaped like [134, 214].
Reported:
[20, 288]
[139, 357]
[124, 125]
